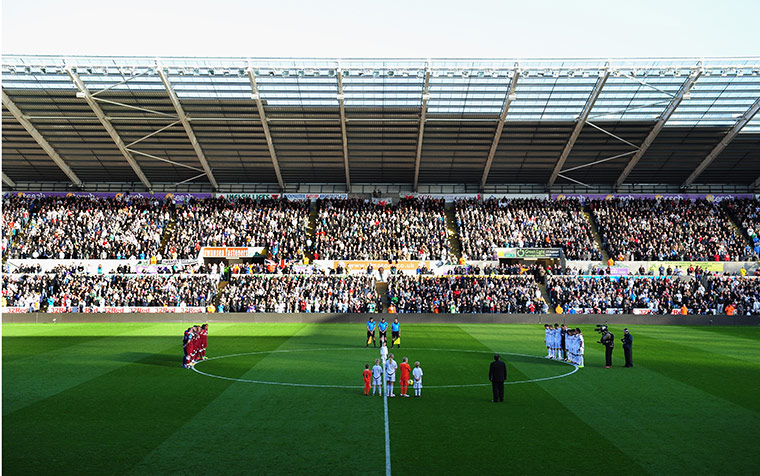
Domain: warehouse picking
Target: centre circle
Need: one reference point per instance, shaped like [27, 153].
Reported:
[297, 384]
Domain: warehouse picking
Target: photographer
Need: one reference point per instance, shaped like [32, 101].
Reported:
[608, 341]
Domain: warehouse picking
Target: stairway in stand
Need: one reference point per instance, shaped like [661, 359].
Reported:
[595, 231]
[545, 294]
[219, 288]
[382, 291]
[311, 227]
[453, 232]
[167, 234]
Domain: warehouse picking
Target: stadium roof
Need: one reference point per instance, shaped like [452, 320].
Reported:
[218, 123]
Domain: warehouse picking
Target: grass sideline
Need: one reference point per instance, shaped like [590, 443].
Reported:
[113, 399]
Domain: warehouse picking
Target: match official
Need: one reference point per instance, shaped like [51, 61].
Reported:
[371, 332]
[497, 374]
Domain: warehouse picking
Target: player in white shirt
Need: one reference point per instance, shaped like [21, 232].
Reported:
[384, 352]
[547, 340]
[417, 376]
[581, 347]
[557, 342]
[377, 378]
[390, 375]
[570, 342]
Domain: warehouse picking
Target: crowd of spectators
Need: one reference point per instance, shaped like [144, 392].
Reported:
[666, 230]
[741, 293]
[93, 228]
[69, 290]
[658, 295]
[746, 213]
[413, 229]
[16, 211]
[299, 293]
[466, 294]
[278, 225]
[524, 223]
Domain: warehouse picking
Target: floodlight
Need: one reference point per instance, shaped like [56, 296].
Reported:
[426, 97]
[512, 97]
[81, 95]
[255, 96]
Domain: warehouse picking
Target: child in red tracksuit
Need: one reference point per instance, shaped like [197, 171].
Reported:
[404, 370]
[367, 379]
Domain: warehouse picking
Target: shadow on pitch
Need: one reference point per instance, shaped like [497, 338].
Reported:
[161, 360]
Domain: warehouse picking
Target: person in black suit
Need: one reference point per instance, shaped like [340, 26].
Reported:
[628, 348]
[497, 374]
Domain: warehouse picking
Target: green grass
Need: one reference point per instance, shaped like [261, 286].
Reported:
[113, 399]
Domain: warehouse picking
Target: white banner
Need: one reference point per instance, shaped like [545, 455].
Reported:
[14, 310]
[232, 252]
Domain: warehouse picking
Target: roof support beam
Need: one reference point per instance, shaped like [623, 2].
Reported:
[264, 124]
[51, 152]
[737, 127]
[8, 181]
[85, 93]
[500, 127]
[425, 99]
[189, 130]
[341, 100]
[685, 87]
[579, 126]
[756, 184]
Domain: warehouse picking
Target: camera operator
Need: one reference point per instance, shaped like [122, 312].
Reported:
[628, 348]
[608, 341]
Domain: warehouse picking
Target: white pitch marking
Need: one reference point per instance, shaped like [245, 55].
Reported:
[384, 386]
[387, 429]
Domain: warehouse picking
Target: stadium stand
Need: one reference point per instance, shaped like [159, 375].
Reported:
[69, 290]
[466, 294]
[746, 213]
[666, 230]
[656, 295]
[530, 223]
[414, 229]
[299, 293]
[278, 225]
[494, 167]
[93, 228]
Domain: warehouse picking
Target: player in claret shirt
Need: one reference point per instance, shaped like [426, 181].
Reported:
[203, 341]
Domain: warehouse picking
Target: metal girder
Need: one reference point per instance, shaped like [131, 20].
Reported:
[425, 99]
[756, 184]
[41, 141]
[579, 126]
[189, 130]
[743, 120]
[262, 115]
[341, 100]
[500, 127]
[690, 80]
[8, 181]
[108, 126]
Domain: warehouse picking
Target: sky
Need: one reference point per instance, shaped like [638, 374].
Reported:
[383, 29]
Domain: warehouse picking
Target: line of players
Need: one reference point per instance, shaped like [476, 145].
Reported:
[194, 345]
[374, 377]
[564, 344]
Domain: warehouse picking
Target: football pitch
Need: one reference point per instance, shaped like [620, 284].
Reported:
[288, 399]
